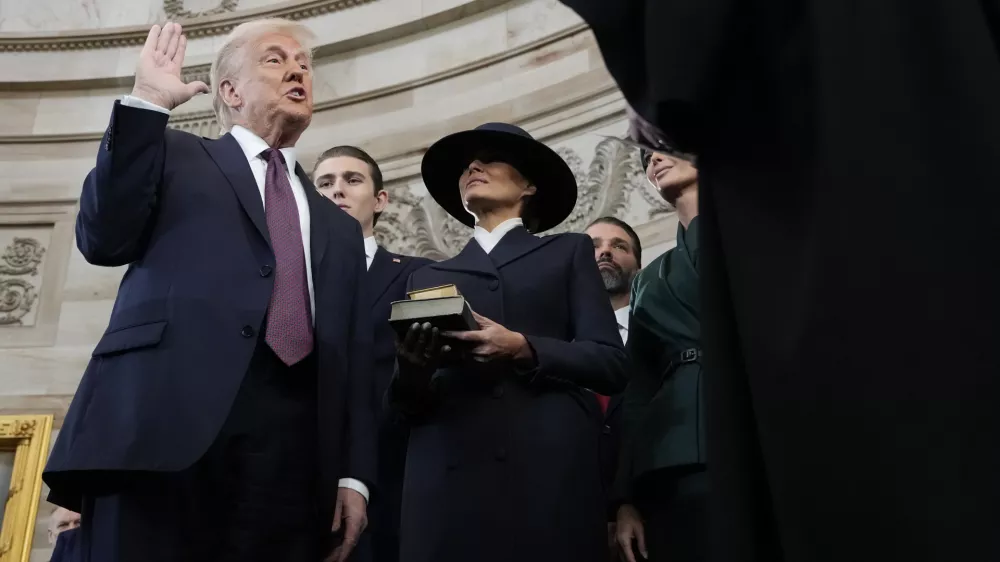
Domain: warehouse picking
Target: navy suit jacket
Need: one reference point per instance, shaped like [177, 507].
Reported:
[186, 216]
[386, 281]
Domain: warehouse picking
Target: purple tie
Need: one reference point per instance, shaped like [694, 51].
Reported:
[289, 320]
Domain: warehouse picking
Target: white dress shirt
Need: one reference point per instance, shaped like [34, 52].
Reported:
[371, 246]
[622, 316]
[489, 240]
[252, 146]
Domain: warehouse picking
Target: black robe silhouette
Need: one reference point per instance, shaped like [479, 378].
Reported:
[849, 158]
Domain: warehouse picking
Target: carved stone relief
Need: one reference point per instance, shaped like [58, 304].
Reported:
[176, 9]
[20, 279]
[36, 238]
[610, 180]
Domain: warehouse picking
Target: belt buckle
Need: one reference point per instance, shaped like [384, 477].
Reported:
[689, 355]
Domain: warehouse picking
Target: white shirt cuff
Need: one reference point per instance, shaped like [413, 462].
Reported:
[356, 485]
[132, 101]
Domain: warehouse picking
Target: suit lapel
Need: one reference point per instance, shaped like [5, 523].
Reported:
[319, 228]
[383, 272]
[229, 157]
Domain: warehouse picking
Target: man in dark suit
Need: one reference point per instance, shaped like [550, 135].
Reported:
[226, 413]
[350, 177]
[618, 252]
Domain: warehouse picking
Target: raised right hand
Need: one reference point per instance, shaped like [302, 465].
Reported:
[630, 527]
[158, 72]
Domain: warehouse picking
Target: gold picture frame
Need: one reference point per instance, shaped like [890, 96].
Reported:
[28, 438]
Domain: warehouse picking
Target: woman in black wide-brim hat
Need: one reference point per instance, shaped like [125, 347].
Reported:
[503, 460]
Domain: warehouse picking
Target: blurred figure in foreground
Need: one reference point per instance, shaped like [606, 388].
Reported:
[850, 384]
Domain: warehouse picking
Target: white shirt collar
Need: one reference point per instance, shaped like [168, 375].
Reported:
[371, 246]
[253, 145]
[489, 240]
[622, 316]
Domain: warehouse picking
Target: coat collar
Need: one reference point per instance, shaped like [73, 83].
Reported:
[473, 259]
[386, 267]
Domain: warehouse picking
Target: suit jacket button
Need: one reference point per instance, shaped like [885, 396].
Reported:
[494, 285]
[501, 454]
[265, 270]
[247, 332]
[498, 391]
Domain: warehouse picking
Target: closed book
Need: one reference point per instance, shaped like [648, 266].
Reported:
[447, 314]
[434, 292]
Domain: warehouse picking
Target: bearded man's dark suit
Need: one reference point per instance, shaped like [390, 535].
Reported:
[183, 372]
[850, 373]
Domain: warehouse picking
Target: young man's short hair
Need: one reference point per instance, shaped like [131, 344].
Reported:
[355, 152]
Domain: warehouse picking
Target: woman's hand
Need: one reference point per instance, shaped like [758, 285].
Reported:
[422, 345]
[493, 342]
[630, 528]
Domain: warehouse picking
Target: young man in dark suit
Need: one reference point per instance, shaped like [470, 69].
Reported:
[226, 413]
[350, 177]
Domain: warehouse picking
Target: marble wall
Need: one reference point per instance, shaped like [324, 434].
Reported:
[392, 76]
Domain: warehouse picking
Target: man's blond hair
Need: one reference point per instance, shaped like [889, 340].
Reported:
[231, 58]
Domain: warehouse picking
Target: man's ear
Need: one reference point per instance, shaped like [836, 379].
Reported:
[229, 95]
[381, 200]
[529, 191]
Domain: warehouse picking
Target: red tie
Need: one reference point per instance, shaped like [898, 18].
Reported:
[289, 319]
[603, 401]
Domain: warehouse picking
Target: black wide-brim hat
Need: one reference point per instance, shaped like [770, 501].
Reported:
[554, 182]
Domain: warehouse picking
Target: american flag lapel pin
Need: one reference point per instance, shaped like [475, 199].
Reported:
[395, 260]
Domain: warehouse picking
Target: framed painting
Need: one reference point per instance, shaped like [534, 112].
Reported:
[24, 446]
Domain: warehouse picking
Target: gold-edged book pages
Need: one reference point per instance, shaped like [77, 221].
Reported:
[24, 440]
[434, 293]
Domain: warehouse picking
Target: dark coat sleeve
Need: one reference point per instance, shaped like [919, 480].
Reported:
[362, 450]
[594, 358]
[119, 197]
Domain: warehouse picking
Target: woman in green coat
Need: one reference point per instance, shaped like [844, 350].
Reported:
[661, 484]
